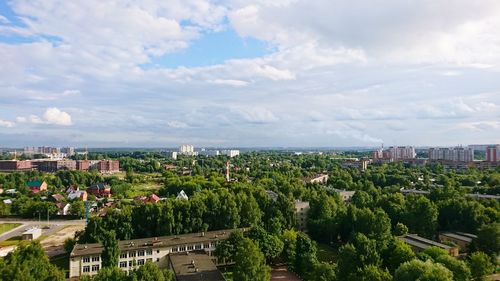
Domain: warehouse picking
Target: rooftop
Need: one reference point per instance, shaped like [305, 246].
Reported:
[467, 237]
[153, 242]
[194, 266]
[422, 243]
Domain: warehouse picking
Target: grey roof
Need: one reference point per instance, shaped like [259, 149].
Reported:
[194, 266]
[466, 237]
[154, 242]
[422, 243]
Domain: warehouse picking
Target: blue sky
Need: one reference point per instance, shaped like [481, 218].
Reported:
[240, 73]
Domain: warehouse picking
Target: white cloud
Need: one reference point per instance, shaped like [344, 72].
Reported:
[7, 124]
[229, 82]
[51, 116]
[57, 117]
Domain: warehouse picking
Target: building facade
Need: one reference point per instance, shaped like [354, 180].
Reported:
[301, 210]
[493, 153]
[453, 154]
[85, 259]
[395, 153]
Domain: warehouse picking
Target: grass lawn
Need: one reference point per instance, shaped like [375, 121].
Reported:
[4, 227]
[11, 241]
[326, 253]
[145, 188]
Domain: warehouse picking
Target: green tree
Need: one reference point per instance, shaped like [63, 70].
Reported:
[397, 253]
[270, 245]
[151, 272]
[422, 271]
[421, 215]
[69, 244]
[108, 274]
[480, 265]
[227, 249]
[250, 264]
[305, 256]
[111, 251]
[77, 208]
[28, 263]
[488, 239]
[372, 273]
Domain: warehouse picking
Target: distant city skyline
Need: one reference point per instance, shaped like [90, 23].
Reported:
[231, 73]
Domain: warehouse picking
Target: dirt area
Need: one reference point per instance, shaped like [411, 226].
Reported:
[281, 273]
[54, 244]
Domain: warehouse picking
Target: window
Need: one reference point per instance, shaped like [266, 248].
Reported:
[130, 263]
[140, 253]
[206, 245]
[214, 243]
[190, 247]
[123, 255]
[197, 246]
[149, 252]
[131, 254]
[157, 251]
[95, 258]
[140, 262]
[86, 268]
[175, 249]
[95, 268]
[182, 248]
[157, 259]
[123, 264]
[86, 259]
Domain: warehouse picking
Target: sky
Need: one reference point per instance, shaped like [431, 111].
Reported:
[234, 73]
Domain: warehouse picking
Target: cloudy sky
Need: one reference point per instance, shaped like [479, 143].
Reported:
[249, 73]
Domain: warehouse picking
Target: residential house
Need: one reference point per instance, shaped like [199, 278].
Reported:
[100, 190]
[63, 209]
[57, 197]
[36, 186]
[182, 196]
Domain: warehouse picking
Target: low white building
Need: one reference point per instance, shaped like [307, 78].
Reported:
[32, 234]
[182, 196]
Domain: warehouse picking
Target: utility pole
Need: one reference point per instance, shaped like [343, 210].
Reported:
[47, 217]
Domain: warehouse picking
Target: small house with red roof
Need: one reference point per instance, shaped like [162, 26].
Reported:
[36, 186]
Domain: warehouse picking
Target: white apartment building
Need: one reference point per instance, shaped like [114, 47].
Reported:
[187, 149]
[402, 152]
[301, 210]
[209, 152]
[454, 154]
[85, 259]
[230, 152]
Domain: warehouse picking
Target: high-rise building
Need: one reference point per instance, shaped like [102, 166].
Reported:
[454, 154]
[230, 153]
[187, 149]
[395, 153]
[493, 153]
[69, 151]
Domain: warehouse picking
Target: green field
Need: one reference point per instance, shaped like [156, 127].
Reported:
[11, 241]
[4, 227]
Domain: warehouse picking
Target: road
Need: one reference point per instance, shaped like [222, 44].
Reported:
[55, 226]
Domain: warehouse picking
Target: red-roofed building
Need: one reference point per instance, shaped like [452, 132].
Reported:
[36, 186]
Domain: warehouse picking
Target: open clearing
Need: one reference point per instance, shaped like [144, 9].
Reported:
[4, 227]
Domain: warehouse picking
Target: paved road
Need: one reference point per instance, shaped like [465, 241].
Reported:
[55, 225]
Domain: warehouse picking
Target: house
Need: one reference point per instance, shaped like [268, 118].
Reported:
[7, 201]
[63, 209]
[76, 194]
[461, 239]
[419, 244]
[11, 191]
[320, 178]
[36, 186]
[153, 198]
[345, 195]
[182, 195]
[100, 190]
[57, 197]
